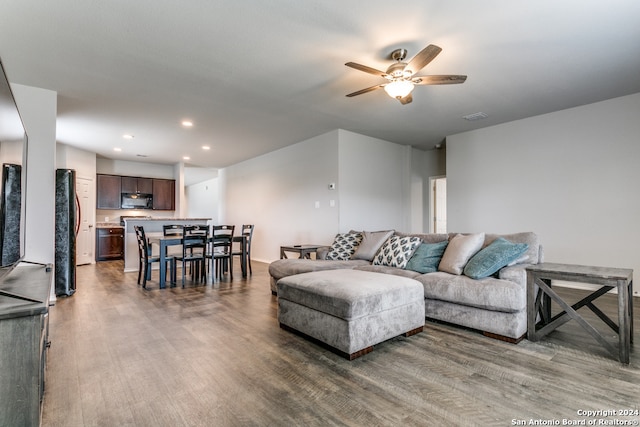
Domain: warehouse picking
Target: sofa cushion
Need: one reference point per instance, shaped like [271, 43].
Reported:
[459, 250]
[288, 267]
[397, 251]
[371, 242]
[533, 255]
[425, 237]
[388, 270]
[492, 258]
[488, 293]
[344, 246]
[427, 257]
[350, 294]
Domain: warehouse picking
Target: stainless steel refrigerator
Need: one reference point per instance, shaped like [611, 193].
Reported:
[66, 215]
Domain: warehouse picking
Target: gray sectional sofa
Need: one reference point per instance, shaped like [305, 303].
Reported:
[494, 305]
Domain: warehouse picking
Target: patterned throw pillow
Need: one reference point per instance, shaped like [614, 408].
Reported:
[344, 246]
[397, 251]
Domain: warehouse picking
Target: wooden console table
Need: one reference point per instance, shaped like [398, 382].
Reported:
[540, 322]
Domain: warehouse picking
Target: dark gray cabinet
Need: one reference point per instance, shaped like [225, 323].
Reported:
[24, 327]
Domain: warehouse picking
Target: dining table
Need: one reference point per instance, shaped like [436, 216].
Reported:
[164, 242]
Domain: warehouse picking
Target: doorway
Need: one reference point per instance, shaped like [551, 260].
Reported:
[438, 204]
[85, 214]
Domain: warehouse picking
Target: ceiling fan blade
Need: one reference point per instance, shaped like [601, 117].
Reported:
[406, 100]
[423, 57]
[366, 69]
[369, 89]
[438, 80]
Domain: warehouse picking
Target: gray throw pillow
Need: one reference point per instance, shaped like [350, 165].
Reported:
[371, 242]
[459, 250]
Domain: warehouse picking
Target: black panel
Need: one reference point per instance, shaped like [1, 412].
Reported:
[65, 276]
[10, 209]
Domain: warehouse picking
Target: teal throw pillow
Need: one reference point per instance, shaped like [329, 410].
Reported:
[489, 260]
[427, 257]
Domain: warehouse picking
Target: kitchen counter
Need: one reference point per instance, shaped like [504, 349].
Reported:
[108, 225]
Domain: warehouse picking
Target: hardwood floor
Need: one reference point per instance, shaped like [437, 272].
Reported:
[214, 355]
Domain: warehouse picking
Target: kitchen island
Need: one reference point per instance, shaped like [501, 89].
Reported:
[152, 226]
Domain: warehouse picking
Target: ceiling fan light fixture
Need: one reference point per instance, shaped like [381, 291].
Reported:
[399, 88]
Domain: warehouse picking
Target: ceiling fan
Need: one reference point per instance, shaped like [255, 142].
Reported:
[401, 75]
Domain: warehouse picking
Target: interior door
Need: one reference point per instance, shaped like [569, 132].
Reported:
[440, 205]
[85, 238]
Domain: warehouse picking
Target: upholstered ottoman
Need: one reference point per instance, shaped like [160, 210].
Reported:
[350, 310]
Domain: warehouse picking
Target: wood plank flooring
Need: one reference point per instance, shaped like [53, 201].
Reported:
[214, 355]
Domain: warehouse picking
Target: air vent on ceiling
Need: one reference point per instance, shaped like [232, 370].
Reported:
[475, 116]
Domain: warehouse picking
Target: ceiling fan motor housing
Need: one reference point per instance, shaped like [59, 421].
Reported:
[398, 71]
[399, 54]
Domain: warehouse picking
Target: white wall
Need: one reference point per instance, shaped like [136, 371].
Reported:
[126, 168]
[202, 200]
[38, 109]
[571, 176]
[279, 191]
[83, 162]
[11, 152]
[374, 183]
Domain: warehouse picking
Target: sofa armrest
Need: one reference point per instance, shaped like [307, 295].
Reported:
[322, 252]
[515, 273]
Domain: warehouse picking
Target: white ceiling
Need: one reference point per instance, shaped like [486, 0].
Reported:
[258, 75]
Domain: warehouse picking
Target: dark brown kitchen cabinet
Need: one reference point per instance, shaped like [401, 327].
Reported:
[109, 190]
[164, 194]
[131, 184]
[109, 243]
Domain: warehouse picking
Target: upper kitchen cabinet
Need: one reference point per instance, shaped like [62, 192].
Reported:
[109, 190]
[164, 191]
[132, 184]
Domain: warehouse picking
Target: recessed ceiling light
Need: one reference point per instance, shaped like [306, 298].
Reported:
[127, 136]
[206, 147]
[117, 149]
[186, 158]
[187, 123]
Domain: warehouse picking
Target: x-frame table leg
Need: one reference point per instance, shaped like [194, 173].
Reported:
[568, 314]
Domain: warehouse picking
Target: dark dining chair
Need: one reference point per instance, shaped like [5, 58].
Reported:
[173, 230]
[247, 233]
[220, 251]
[146, 259]
[194, 248]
